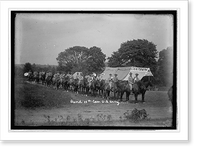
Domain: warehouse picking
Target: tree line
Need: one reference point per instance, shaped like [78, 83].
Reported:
[139, 53]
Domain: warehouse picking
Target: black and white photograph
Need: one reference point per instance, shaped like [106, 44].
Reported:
[94, 69]
[97, 72]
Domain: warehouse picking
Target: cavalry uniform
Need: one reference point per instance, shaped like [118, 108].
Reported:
[136, 79]
[130, 82]
[110, 79]
[77, 77]
[98, 77]
[115, 79]
[62, 76]
[90, 79]
[80, 79]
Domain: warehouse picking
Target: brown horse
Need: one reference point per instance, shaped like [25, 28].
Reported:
[100, 85]
[66, 82]
[121, 87]
[81, 85]
[36, 76]
[42, 76]
[48, 78]
[108, 87]
[56, 81]
[75, 85]
[140, 87]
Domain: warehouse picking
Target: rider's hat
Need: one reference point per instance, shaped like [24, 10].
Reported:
[136, 74]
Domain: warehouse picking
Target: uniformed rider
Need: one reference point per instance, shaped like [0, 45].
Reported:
[130, 81]
[136, 79]
[110, 79]
[115, 79]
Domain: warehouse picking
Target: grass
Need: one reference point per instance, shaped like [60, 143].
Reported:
[37, 105]
[35, 96]
[129, 119]
[69, 121]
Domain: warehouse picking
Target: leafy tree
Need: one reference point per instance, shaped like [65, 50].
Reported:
[165, 66]
[27, 67]
[72, 58]
[139, 53]
[81, 59]
[95, 62]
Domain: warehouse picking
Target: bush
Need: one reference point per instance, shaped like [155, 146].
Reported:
[136, 115]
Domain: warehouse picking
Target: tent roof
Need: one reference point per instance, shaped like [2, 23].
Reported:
[123, 72]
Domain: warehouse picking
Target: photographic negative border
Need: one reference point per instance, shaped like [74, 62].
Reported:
[142, 12]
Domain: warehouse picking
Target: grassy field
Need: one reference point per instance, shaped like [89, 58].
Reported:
[37, 105]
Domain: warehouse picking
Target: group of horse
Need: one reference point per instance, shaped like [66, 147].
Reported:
[87, 86]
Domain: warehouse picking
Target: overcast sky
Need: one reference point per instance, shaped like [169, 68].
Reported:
[41, 37]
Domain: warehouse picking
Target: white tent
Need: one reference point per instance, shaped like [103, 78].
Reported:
[141, 71]
[123, 72]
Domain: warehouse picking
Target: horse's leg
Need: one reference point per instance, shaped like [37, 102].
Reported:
[127, 95]
[105, 94]
[102, 92]
[108, 94]
[143, 97]
[136, 95]
[122, 93]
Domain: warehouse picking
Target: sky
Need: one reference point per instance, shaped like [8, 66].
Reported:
[39, 38]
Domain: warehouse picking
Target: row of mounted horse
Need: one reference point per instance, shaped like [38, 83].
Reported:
[95, 87]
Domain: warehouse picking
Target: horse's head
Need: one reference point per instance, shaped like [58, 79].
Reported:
[148, 81]
[145, 84]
